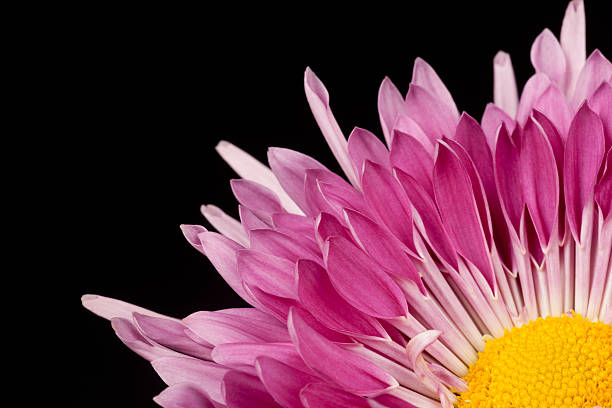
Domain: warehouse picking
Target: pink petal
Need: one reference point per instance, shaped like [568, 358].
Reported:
[321, 395]
[302, 226]
[603, 189]
[554, 105]
[282, 381]
[390, 105]
[540, 181]
[236, 326]
[407, 125]
[242, 356]
[243, 390]
[573, 41]
[269, 273]
[172, 334]
[596, 70]
[250, 221]
[328, 226]
[601, 103]
[108, 307]
[584, 153]
[130, 336]
[290, 168]
[191, 233]
[454, 194]
[548, 57]
[317, 294]
[315, 200]
[351, 372]
[183, 395]
[383, 247]
[364, 145]
[225, 224]
[361, 282]
[249, 168]
[409, 155]
[318, 99]
[534, 88]
[284, 246]
[424, 76]
[432, 114]
[276, 306]
[259, 199]
[505, 94]
[492, 118]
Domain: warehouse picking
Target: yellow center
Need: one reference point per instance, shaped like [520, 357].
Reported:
[562, 362]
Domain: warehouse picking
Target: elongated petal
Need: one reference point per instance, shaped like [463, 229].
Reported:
[135, 341]
[108, 307]
[405, 124]
[282, 381]
[250, 221]
[364, 145]
[270, 273]
[183, 395]
[539, 181]
[242, 356]
[584, 153]
[390, 105]
[534, 88]
[573, 41]
[317, 294]
[243, 390]
[507, 166]
[492, 118]
[276, 306]
[505, 94]
[603, 190]
[361, 282]
[553, 104]
[249, 168]
[318, 99]
[601, 103]
[290, 168]
[424, 76]
[596, 70]
[429, 112]
[548, 57]
[225, 224]
[347, 369]
[322, 395]
[302, 226]
[236, 325]
[205, 375]
[409, 155]
[284, 246]
[328, 226]
[259, 199]
[454, 195]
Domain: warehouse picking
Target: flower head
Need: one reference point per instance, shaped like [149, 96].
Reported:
[459, 263]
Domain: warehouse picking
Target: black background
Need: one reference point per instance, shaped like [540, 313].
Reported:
[153, 90]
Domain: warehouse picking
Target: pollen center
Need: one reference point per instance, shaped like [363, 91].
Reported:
[563, 362]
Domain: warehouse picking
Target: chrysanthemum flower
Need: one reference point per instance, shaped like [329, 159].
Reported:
[462, 263]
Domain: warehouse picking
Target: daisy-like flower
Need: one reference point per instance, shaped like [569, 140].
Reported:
[462, 264]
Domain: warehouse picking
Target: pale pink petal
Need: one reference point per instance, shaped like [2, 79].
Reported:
[424, 76]
[505, 94]
[129, 335]
[191, 233]
[225, 224]
[432, 114]
[302, 226]
[282, 381]
[406, 125]
[348, 370]
[276, 306]
[534, 88]
[390, 105]
[318, 99]
[596, 70]
[242, 356]
[284, 246]
[554, 105]
[250, 221]
[108, 307]
[548, 57]
[492, 118]
[322, 395]
[269, 273]
[573, 41]
[259, 199]
[183, 395]
[364, 145]
[249, 168]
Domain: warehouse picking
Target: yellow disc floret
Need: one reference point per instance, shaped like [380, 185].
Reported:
[561, 362]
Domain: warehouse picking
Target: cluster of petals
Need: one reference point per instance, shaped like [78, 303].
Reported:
[379, 291]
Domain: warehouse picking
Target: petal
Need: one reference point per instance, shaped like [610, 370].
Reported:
[191, 233]
[284, 246]
[603, 190]
[328, 226]
[492, 118]
[225, 224]
[302, 226]
[409, 155]
[429, 112]
[351, 372]
[505, 94]
[251, 169]
[548, 57]
[282, 381]
[601, 103]
[360, 282]
[130, 336]
[596, 70]
[364, 145]
[318, 99]
[108, 307]
[424, 76]
[243, 390]
[507, 167]
[242, 356]
[259, 199]
[407, 125]
[573, 41]
[534, 88]
[390, 105]
[269, 273]
[321, 395]
[553, 104]
[276, 306]
[183, 395]
[584, 153]
[250, 221]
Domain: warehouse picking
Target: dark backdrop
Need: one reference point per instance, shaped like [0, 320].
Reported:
[153, 90]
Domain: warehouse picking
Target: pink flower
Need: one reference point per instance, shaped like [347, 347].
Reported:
[381, 291]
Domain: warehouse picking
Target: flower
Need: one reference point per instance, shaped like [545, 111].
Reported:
[462, 263]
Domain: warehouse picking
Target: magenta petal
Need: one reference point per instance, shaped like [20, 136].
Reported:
[492, 118]
[243, 390]
[318, 99]
[390, 105]
[322, 395]
[553, 104]
[292, 223]
[317, 294]
[406, 125]
[507, 167]
[424, 76]
[269, 273]
[282, 381]
[429, 112]
[172, 334]
[583, 156]
[242, 356]
[290, 167]
[259, 199]
[328, 226]
[540, 181]
[284, 246]
[183, 395]
[348, 370]
[236, 326]
[455, 198]
[601, 103]
[135, 341]
[364, 145]
[409, 155]
[205, 375]
[597, 70]
[534, 88]
[361, 282]
[548, 57]
[276, 306]
[603, 189]
[383, 247]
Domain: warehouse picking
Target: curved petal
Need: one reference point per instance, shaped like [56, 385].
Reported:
[573, 41]
[390, 105]
[424, 76]
[505, 94]
[547, 57]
